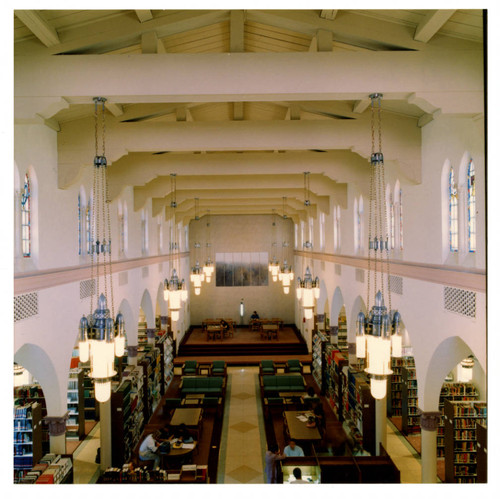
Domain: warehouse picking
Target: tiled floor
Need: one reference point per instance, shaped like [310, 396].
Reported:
[243, 444]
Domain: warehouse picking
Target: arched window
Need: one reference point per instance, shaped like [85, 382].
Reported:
[311, 231]
[360, 223]
[296, 229]
[88, 226]
[471, 207]
[321, 231]
[26, 217]
[453, 218]
[159, 233]
[80, 249]
[392, 223]
[400, 219]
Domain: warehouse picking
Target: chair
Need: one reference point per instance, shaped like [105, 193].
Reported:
[219, 368]
[266, 367]
[190, 367]
[294, 366]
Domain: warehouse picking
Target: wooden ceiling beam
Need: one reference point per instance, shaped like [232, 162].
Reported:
[39, 27]
[144, 15]
[431, 24]
[329, 14]
[237, 31]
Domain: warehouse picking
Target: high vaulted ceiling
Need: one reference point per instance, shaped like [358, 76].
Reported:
[240, 103]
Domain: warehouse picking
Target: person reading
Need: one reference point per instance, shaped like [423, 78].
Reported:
[149, 447]
[297, 473]
[293, 450]
[255, 315]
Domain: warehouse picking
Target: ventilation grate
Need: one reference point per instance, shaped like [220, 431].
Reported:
[460, 301]
[338, 269]
[122, 278]
[25, 306]
[87, 288]
[145, 271]
[396, 283]
[360, 275]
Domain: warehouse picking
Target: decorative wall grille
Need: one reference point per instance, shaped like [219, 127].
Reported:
[338, 269]
[87, 288]
[360, 275]
[396, 283]
[122, 278]
[460, 301]
[25, 306]
[145, 271]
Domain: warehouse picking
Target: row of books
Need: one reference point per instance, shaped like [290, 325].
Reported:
[52, 469]
[127, 474]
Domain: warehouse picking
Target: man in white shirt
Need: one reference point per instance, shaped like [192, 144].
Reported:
[297, 473]
[148, 448]
[293, 450]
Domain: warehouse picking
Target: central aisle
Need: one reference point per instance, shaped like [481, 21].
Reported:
[243, 441]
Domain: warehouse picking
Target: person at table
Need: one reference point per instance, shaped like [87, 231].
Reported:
[149, 447]
[255, 315]
[273, 454]
[293, 450]
[224, 325]
[310, 393]
[182, 433]
[297, 473]
[319, 415]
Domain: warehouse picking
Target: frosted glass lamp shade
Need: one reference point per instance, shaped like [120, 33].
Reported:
[174, 315]
[397, 345]
[378, 388]
[360, 347]
[209, 278]
[298, 291]
[275, 277]
[286, 289]
[197, 291]
[119, 346]
[308, 313]
[316, 293]
[83, 347]
[102, 390]
[165, 294]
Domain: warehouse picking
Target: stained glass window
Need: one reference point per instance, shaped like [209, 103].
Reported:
[471, 207]
[453, 201]
[400, 219]
[88, 227]
[26, 217]
[79, 224]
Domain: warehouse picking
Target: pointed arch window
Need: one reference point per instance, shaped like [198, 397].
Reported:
[321, 231]
[88, 227]
[336, 227]
[80, 249]
[26, 217]
[400, 219]
[453, 207]
[359, 223]
[296, 230]
[471, 207]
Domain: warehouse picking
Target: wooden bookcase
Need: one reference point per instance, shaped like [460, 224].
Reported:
[336, 362]
[342, 334]
[460, 421]
[150, 361]
[409, 395]
[75, 426]
[27, 437]
[359, 408]
[318, 345]
[453, 392]
[482, 452]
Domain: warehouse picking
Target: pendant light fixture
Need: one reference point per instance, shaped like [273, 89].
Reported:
[101, 337]
[274, 265]
[197, 276]
[285, 274]
[174, 290]
[208, 268]
[373, 333]
[307, 290]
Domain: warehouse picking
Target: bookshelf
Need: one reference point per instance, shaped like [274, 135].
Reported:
[52, 469]
[453, 392]
[142, 336]
[27, 437]
[394, 397]
[336, 361]
[150, 361]
[34, 393]
[359, 407]
[482, 452]
[75, 425]
[90, 406]
[318, 345]
[342, 332]
[409, 395]
[460, 421]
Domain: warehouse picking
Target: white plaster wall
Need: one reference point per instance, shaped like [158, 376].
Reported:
[246, 233]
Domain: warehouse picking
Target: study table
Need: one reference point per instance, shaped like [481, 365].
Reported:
[191, 417]
[269, 330]
[298, 429]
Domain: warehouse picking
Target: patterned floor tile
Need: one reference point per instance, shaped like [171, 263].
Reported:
[244, 474]
[243, 427]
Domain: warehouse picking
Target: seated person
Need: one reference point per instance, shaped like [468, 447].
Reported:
[255, 315]
[310, 393]
[148, 448]
[297, 473]
[293, 450]
[224, 325]
[182, 433]
[319, 414]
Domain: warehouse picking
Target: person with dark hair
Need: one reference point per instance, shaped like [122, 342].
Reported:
[148, 448]
[273, 454]
[255, 315]
[182, 433]
[297, 473]
[293, 450]
[310, 393]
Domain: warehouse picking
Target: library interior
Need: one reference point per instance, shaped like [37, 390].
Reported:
[331, 165]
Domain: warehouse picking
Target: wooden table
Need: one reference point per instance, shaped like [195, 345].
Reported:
[175, 455]
[191, 417]
[213, 330]
[270, 329]
[298, 429]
